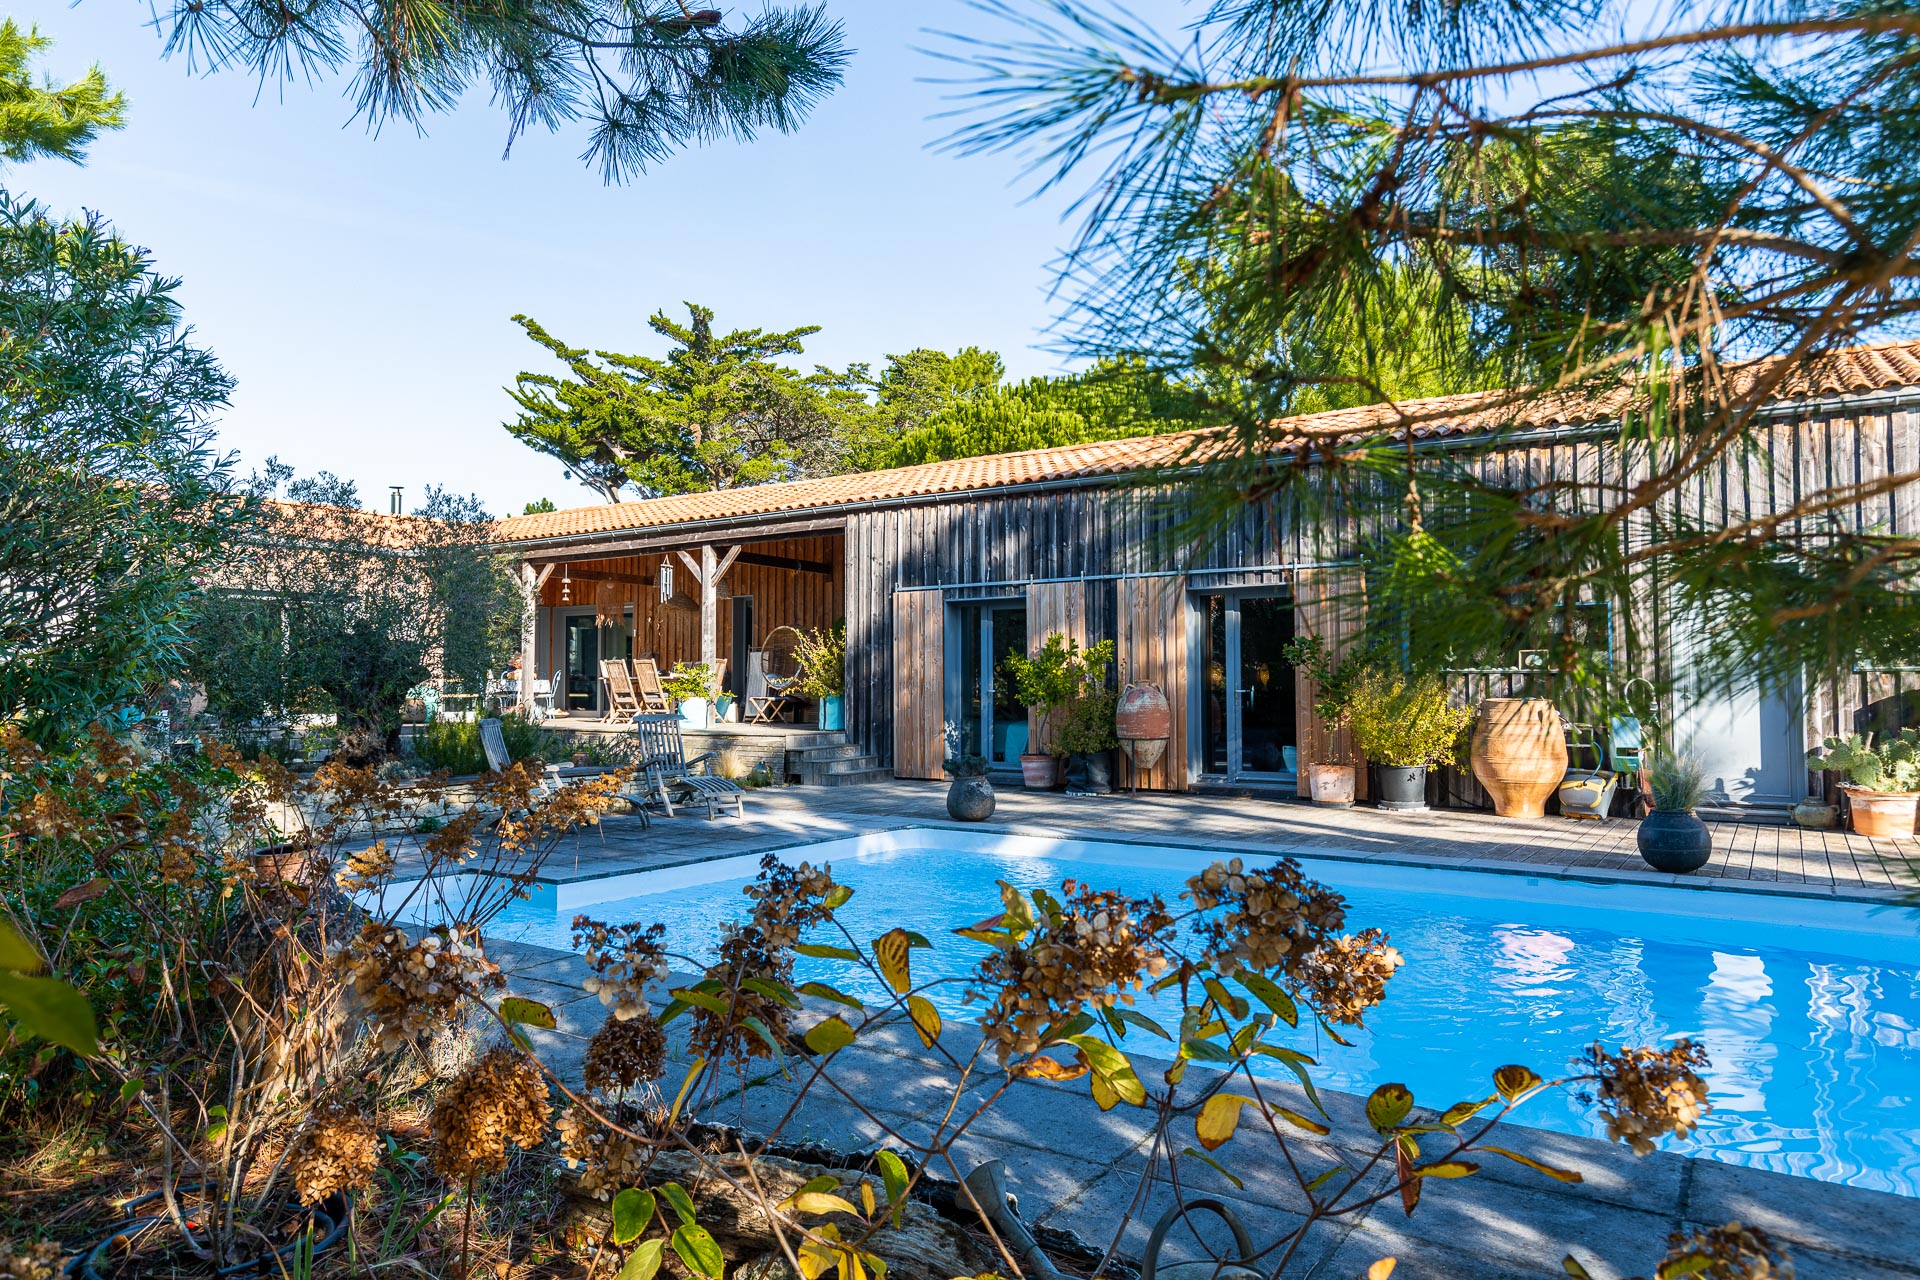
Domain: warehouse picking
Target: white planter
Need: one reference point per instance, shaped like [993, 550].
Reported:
[697, 712]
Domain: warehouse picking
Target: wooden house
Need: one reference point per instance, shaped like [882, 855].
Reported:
[940, 570]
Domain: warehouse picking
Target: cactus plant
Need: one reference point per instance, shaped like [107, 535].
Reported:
[1892, 767]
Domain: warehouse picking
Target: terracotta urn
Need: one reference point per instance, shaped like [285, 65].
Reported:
[1519, 754]
[1331, 785]
[1039, 771]
[1144, 723]
[1883, 815]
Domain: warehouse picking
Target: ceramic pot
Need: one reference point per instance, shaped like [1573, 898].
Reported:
[1675, 842]
[1331, 785]
[1089, 773]
[833, 713]
[1519, 754]
[1815, 815]
[1402, 788]
[1144, 723]
[696, 712]
[1883, 815]
[970, 799]
[1039, 772]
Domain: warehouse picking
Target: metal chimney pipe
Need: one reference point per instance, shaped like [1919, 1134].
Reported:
[394, 503]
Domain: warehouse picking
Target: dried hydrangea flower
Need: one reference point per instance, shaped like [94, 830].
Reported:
[1732, 1252]
[338, 1151]
[624, 1053]
[1095, 948]
[1272, 919]
[1346, 976]
[366, 868]
[410, 987]
[624, 959]
[606, 1161]
[1646, 1094]
[39, 1261]
[788, 900]
[500, 1098]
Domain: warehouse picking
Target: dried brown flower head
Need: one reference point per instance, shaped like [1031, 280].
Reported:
[624, 959]
[500, 1098]
[366, 868]
[607, 1161]
[788, 900]
[744, 957]
[1094, 948]
[1272, 919]
[624, 1053]
[1732, 1252]
[39, 1261]
[1346, 976]
[411, 987]
[1646, 1094]
[338, 1150]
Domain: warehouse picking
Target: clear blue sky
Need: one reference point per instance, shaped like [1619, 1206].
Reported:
[360, 287]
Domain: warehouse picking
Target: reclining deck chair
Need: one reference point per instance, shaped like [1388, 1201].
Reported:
[668, 772]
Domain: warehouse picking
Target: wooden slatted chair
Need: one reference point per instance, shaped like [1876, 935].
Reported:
[622, 700]
[669, 774]
[494, 743]
[647, 690]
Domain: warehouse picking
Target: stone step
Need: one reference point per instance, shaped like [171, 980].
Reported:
[857, 778]
[811, 755]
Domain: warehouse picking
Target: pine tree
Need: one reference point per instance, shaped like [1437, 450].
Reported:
[49, 120]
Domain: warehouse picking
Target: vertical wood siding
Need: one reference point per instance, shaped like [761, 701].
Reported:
[919, 684]
[1152, 649]
[1328, 603]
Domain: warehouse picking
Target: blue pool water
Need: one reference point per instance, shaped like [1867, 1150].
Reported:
[1810, 1009]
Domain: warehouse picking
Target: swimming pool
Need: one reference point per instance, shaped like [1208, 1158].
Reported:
[1810, 1008]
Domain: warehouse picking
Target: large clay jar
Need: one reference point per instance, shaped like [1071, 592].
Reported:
[1519, 754]
[1143, 722]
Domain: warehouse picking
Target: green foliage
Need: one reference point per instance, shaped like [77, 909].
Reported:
[822, 656]
[716, 412]
[1678, 781]
[454, 745]
[112, 501]
[688, 680]
[645, 78]
[1405, 721]
[1337, 684]
[1089, 723]
[1056, 677]
[1894, 766]
[539, 507]
[971, 766]
[42, 120]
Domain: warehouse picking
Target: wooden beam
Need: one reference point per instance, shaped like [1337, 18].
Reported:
[726, 563]
[634, 542]
[693, 566]
[540, 579]
[786, 562]
[709, 605]
[529, 633]
[601, 575]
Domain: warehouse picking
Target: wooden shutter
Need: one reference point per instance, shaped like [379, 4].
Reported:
[1051, 607]
[1330, 603]
[919, 684]
[1152, 649]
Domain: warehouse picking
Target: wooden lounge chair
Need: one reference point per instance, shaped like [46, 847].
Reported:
[646, 687]
[552, 776]
[622, 701]
[669, 775]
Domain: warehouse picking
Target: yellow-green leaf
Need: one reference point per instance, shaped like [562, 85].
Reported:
[830, 1035]
[51, 1009]
[892, 950]
[686, 1087]
[820, 951]
[644, 1262]
[1448, 1169]
[1558, 1175]
[703, 1000]
[681, 1202]
[518, 1011]
[1388, 1106]
[772, 991]
[17, 955]
[1219, 1117]
[1461, 1112]
[1228, 1001]
[822, 991]
[926, 1019]
[839, 897]
[893, 1173]
[632, 1211]
[696, 1247]
[1571, 1265]
[1515, 1082]
[1299, 1121]
[821, 1202]
[1215, 1165]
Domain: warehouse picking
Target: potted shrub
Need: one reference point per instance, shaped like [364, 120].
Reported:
[1329, 782]
[1405, 726]
[1672, 837]
[970, 797]
[1044, 683]
[690, 685]
[1881, 784]
[1087, 737]
[822, 656]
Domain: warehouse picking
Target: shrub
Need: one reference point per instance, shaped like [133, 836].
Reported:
[1335, 682]
[823, 663]
[1405, 721]
[1055, 677]
[454, 745]
[1894, 766]
[688, 680]
[1678, 781]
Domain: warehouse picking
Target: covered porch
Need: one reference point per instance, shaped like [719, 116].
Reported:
[733, 603]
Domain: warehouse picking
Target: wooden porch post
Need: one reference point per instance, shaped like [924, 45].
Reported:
[529, 632]
[709, 607]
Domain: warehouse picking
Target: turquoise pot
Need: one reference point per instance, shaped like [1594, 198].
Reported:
[833, 713]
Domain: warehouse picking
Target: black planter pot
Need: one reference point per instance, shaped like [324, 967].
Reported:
[1401, 787]
[1090, 773]
[970, 799]
[1674, 842]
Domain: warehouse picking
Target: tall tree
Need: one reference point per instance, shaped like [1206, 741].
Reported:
[716, 412]
[1610, 200]
[647, 77]
[47, 119]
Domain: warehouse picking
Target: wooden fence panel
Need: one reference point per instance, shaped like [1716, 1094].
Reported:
[1329, 603]
[1151, 630]
[919, 684]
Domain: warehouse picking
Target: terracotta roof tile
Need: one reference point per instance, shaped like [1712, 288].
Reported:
[1848, 372]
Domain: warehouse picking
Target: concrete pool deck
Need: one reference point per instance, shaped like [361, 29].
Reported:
[1077, 1168]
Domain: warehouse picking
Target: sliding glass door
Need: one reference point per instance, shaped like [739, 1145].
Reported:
[982, 634]
[1249, 732]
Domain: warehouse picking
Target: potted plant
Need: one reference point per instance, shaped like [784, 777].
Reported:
[1881, 784]
[970, 797]
[690, 685]
[1329, 782]
[822, 656]
[1672, 837]
[1044, 683]
[1088, 737]
[1405, 725]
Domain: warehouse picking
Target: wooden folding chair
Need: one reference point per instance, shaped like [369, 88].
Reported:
[647, 691]
[669, 774]
[622, 702]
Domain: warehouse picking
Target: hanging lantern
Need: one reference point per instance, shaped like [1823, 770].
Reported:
[566, 586]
